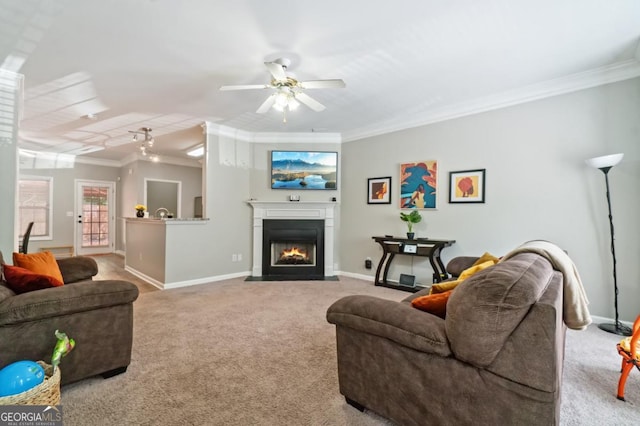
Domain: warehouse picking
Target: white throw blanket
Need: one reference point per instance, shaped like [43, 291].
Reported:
[575, 313]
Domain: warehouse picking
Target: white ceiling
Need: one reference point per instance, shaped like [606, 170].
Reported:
[160, 63]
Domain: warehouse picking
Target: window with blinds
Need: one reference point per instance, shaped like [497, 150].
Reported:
[35, 195]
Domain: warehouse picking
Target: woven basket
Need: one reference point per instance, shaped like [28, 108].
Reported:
[46, 393]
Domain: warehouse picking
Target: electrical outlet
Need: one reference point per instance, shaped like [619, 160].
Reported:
[140, 256]
[239, 257]
[367, 263]
[234, 257]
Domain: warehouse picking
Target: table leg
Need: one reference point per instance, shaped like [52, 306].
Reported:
[380, 265]
[386, 267]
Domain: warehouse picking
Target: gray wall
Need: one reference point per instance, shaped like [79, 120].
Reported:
[163, 195]
[191, 178]
[131, 189]
[129, 192]
[537, 187]
[64, 196]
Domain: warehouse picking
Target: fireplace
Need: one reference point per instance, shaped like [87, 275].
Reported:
[320, 212]
[293, 249]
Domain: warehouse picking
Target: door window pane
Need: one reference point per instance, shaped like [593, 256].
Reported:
[95, 225]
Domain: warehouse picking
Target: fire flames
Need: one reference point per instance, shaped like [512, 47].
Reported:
[293, 252]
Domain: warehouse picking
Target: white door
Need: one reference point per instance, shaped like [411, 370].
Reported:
[95, 217]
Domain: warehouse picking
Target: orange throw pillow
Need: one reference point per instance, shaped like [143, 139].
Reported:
[435, 304]
[22, 280]
[41, 263]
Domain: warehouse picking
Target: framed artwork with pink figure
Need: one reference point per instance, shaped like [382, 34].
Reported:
[418, 185]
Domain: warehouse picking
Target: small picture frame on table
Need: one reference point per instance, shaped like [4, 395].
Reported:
[379, 190]
[467, 186]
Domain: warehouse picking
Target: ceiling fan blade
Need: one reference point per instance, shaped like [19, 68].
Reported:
[276, 71]
[322, 84]
[309, 101]
[246, 87]
[267, 104]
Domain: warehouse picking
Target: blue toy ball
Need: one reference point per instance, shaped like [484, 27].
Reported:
[20, 377]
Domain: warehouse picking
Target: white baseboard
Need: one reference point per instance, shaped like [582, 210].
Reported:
[206, 280]
[186, 283]
[598, 320]
[144, 277]
[354, 275]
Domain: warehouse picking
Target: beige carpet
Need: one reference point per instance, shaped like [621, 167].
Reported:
[262, 353]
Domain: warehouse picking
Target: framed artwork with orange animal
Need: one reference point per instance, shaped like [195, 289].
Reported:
[467, 186]
[379, 190]
[418, 185]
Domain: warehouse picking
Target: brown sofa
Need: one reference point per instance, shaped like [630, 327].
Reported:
[98, 315]
[495, 359]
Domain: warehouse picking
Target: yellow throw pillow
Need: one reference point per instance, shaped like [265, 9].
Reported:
[450, 285]
[486, 257]
[43, 263]
[445, 286]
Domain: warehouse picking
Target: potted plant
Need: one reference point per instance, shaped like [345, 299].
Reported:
[410, 218]
[140, 208]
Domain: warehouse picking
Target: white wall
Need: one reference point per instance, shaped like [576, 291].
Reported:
[11, 92]
[537, 187]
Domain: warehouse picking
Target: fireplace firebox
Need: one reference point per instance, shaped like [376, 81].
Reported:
[293, 249]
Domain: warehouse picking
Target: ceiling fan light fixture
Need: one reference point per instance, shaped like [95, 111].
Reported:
[293, 104]
[289, 92]
[282, 99]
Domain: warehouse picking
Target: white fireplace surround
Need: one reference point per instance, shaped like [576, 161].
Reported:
[292, 210]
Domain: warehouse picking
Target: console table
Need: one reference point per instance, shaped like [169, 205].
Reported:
[391, 246]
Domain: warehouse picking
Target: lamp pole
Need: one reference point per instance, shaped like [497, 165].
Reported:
[617, 327]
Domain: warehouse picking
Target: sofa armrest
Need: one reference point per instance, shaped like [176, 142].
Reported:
[391, 320]
[459, 264]
[66, 300]
[77, 268]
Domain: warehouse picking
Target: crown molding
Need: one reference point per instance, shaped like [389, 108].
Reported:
[619, 71]
[272, 137]
[98, 161]
[163, 159]
[584, 80]
[131, 158]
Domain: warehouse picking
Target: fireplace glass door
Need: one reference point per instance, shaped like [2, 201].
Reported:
[291, 253]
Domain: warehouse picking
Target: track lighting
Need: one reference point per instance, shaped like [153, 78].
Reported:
[147, 142]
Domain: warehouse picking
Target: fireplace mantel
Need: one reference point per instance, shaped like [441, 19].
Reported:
[292, 210]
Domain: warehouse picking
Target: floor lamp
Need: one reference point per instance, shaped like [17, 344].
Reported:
[605, 163]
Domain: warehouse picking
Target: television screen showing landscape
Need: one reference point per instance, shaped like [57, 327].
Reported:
[304, 170]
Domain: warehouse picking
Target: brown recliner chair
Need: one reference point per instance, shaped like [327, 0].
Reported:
[495, 359]
[98, 315]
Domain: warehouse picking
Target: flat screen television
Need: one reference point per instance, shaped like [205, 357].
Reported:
[304, 170]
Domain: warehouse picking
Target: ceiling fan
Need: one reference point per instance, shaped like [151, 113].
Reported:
[288, 91]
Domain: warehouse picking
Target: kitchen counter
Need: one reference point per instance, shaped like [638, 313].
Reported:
[167, 220]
